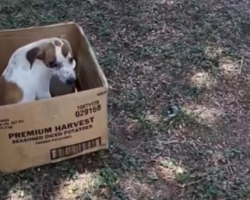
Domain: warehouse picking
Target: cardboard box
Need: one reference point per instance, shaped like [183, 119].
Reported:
[66, 126]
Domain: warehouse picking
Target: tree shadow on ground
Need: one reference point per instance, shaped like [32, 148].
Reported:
[150, 51]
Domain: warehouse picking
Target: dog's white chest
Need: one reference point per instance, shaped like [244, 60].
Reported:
[33, 80]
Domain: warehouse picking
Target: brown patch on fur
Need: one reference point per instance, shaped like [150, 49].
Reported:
[66, 49]
[10, 93]
[31, 55]
[58, 43]
[47, 54]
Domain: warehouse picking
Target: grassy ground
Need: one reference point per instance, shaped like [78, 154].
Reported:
[193, 54]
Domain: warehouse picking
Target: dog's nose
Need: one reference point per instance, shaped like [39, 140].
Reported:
[70, 81]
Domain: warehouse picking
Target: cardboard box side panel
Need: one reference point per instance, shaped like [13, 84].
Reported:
[11, 40]
[101, 147]
[23, 31]
[21, 109]
[88, 65]
[13, 169]
[30, 137]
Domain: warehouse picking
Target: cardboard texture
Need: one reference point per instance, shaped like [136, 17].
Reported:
[66, 126]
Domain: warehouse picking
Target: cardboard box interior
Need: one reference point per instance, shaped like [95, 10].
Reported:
[86, 133]
[90, 76]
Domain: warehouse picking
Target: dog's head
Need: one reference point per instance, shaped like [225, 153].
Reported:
[57, 57]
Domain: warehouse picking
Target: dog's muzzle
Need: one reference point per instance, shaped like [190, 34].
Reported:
[71, 81]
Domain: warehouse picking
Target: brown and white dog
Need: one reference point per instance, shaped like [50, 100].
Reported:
[31, 67]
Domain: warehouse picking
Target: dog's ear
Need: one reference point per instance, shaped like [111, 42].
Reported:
[41, 54]
[63, 36]
[44, 53]
[33, 54]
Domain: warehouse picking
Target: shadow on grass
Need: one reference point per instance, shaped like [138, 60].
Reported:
[44, 182]
[96, 176]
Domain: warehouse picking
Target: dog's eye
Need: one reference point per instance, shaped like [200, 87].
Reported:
[53, 64]
[71, 60]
